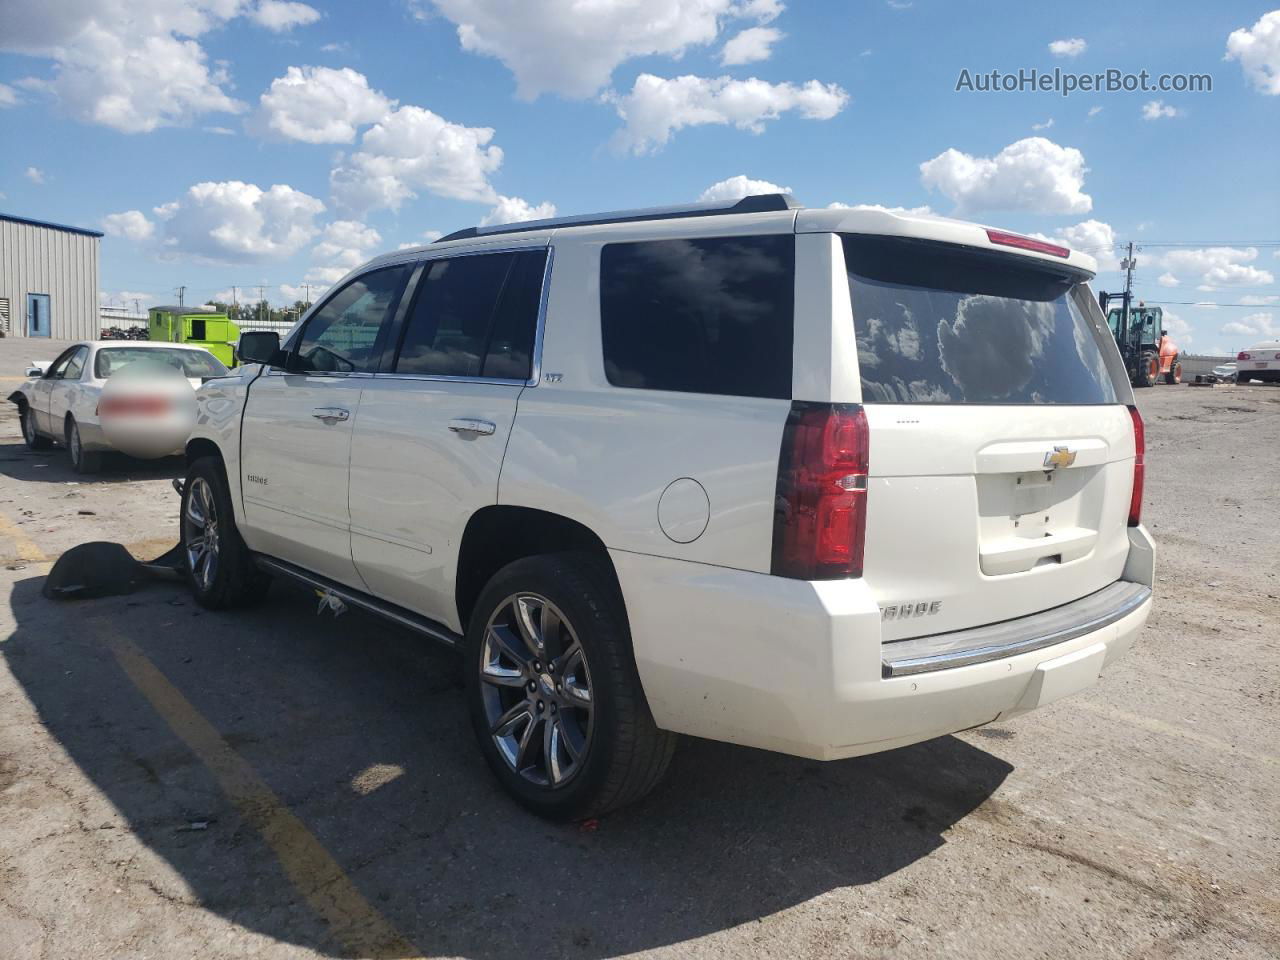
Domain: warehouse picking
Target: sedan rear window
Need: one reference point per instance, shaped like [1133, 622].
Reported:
[192, 363]
[940, 323]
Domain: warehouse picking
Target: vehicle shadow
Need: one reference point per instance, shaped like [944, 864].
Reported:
[359, 728]
[53, 465]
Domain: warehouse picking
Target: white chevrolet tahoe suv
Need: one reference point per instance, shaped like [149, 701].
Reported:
[825, 482]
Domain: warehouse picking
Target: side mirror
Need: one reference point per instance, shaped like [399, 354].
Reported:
[1164, 333]
[260, 346]
[34, 372]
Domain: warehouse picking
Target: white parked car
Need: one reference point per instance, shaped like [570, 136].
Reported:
[1260, 362]
[825, 482]
[59, 403]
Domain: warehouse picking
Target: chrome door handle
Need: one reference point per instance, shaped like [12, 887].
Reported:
[481, 428]
[331, 415]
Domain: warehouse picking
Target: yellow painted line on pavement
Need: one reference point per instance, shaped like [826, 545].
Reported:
[352, 920]
[1153, 725]
[24, 548]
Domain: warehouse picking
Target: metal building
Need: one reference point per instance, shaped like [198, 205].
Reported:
[48, 279]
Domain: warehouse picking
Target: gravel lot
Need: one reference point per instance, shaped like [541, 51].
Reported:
[273, 783]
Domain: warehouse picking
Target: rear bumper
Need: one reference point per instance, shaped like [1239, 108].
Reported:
[799, 668]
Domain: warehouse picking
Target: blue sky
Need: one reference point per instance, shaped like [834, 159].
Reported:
[247, 142]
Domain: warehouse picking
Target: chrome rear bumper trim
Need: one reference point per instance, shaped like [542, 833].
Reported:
[960, 648]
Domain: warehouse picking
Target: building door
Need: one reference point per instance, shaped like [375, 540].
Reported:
[37, 315]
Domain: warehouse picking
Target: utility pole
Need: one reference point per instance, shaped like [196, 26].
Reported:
[262, 303]
[307, 287]
[182, 293]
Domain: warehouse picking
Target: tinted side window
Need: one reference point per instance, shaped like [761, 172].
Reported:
[59, 367]
[700, 316]
[76, 366]
[475, 316]
[345, 335]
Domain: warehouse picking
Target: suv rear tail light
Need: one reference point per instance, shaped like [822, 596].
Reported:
[1026, 243]
[1139, 467]
[1243, 356]
[820, 513]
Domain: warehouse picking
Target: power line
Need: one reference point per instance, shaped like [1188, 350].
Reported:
[1209, 303]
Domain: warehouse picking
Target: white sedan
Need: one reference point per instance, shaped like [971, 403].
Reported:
[60, 401]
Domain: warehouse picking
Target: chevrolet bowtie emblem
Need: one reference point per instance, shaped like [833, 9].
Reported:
[1059, 457]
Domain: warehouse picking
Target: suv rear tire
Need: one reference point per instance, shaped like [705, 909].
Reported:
[218, 566]
[553, 691]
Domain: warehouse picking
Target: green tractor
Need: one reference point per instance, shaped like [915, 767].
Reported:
[1149, 354]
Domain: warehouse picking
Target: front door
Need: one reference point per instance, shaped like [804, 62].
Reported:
[296, 433]
[37, 315]
[428, 446]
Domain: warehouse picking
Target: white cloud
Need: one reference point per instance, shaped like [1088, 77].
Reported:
[750, 46]
[131, 225]
[1068, 48]
[656, 107]
[1155, 109]
[735, 188]
[343, 246]
[428, 236]
[1043, 126]
[280, 16]
[123, 298]
[764, 11]
[8, 96]
[1214, 267]
[1167, 279]
[1093, 237]
[1033, 175]
[1256, 301]
[220, 131]
[319, 105]
[1254, 325]
[414, 149]
[132, 65]
[515, 209]
[341, 47]
[1258, 50]
[1179, 329]
[924, 211]
[572, 47]
[236, 222]
[34, 174]
[1094, 111]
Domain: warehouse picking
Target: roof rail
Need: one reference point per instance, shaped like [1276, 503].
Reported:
[760, 203]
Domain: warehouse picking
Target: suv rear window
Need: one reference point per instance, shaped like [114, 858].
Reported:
[939, 323]
[699, 315]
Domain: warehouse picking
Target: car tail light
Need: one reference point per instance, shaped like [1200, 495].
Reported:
[1026, 243]
[134, 406]
[1243, 356]
[1139, 467]
[820, 514]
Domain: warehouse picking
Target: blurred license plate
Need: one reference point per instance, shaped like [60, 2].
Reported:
[1261, 366]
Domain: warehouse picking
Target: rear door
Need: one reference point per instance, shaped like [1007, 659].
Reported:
[1002, 450]
[296, 434]
[433, 427]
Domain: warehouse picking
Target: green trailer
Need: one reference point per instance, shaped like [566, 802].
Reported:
[216, 332]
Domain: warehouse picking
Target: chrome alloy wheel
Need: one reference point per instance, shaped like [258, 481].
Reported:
[536, 690]
[200, 533]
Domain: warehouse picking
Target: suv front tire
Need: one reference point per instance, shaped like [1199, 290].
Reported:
[553, 691]
[217, 564]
